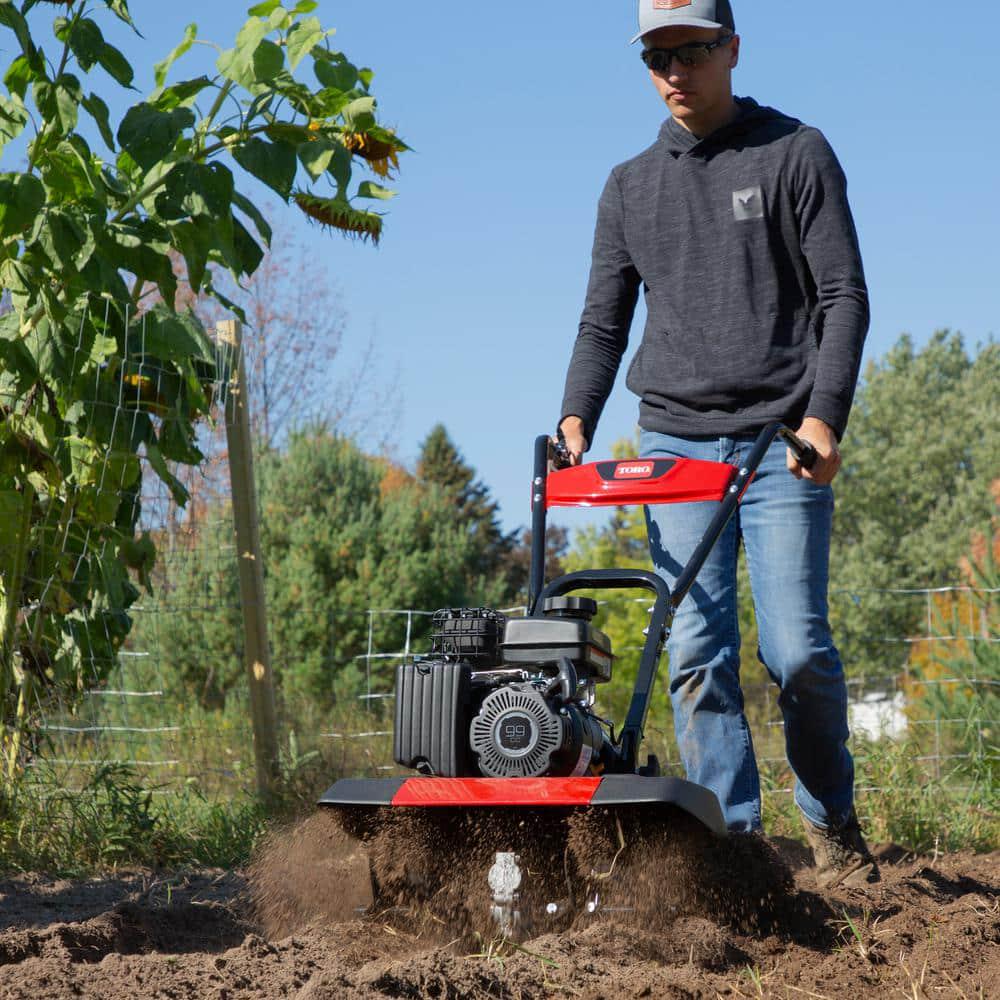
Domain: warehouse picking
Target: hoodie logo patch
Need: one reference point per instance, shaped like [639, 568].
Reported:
[670, 4]
[748, 204]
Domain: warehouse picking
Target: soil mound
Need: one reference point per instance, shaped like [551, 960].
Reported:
[706, 919]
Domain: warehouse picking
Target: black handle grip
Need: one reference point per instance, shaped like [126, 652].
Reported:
[804, 452]
[558, 452]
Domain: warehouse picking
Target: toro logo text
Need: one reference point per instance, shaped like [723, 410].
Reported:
[633, 470]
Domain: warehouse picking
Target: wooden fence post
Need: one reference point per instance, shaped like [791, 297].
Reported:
[256, 651]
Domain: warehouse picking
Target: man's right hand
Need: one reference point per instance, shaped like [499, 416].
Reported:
[576, 443]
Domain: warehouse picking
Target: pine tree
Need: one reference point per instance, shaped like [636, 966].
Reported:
[441, 463]
[342, 532]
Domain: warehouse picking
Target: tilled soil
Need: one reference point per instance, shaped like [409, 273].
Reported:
[679, 915]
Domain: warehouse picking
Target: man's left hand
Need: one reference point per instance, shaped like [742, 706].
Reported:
[824, 440]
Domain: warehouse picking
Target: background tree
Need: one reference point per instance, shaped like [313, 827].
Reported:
[476, 512]
[920, 455]
[294, 344]
[341, 532]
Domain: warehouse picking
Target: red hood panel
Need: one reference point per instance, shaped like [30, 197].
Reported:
[638, 481]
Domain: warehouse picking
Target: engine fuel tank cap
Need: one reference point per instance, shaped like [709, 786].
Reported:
[581, 608]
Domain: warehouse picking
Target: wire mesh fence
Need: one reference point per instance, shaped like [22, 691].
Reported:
[173, 702]
[142, 716]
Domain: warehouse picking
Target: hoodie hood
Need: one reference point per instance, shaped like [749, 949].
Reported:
[751, 117]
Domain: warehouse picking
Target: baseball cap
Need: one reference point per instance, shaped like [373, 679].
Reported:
[655, 14]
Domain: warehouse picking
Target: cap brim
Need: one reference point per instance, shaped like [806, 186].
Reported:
[687, 22]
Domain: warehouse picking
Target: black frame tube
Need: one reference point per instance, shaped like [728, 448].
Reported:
[537, 579]
[805, 453]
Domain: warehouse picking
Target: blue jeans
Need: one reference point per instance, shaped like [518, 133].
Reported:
[784, 524]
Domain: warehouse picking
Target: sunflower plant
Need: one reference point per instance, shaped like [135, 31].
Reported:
[94, 379]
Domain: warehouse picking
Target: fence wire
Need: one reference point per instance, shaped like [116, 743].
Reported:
[174, 706]
[143, 715]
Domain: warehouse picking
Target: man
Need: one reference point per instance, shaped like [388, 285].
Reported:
[735, 224]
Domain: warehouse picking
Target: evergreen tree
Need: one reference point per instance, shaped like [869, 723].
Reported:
[342, 532]
[493, 578]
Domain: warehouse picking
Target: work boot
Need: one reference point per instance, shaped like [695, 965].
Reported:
[841, 854]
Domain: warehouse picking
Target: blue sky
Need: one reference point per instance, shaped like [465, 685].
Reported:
[517, 111]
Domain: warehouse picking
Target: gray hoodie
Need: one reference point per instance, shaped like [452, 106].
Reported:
[746, 251]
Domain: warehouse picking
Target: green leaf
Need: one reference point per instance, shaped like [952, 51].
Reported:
[304, 7]
[177, 442]
[70, 173]
[84, 38]
[100, 272]
[316, 156]
[338, 75]
[120, 9]
[198, 189]
[340, 167]
[369, 189]
[366, 76]
[268, 61]
[139, 246]
[148, 134]
[82, 456]
[98, 110]
[248, 252]
[64, 177]
[12, 18]
[61, 237]
[169, 336]
[19, 75]
[287, 132]
[22, 197]
[274, 163]
[359, 114]
[139, 554]
[264, 9]
[59, 101]
[114, 63]
[159, 466]
[253, 213]
[301, 39]
[237, 64]
[234, 68]
[13, 118]
[161, 68]
[17, 278]
[88, 45]
[167, 98]
[16, 358]
[194, 244]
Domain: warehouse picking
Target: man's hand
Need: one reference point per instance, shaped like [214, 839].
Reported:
[576, 443]
[823, 439]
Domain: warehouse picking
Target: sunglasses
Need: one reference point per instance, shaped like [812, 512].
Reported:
[691, 54]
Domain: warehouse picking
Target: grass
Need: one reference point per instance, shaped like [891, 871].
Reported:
[904, 799]
[81, 807]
